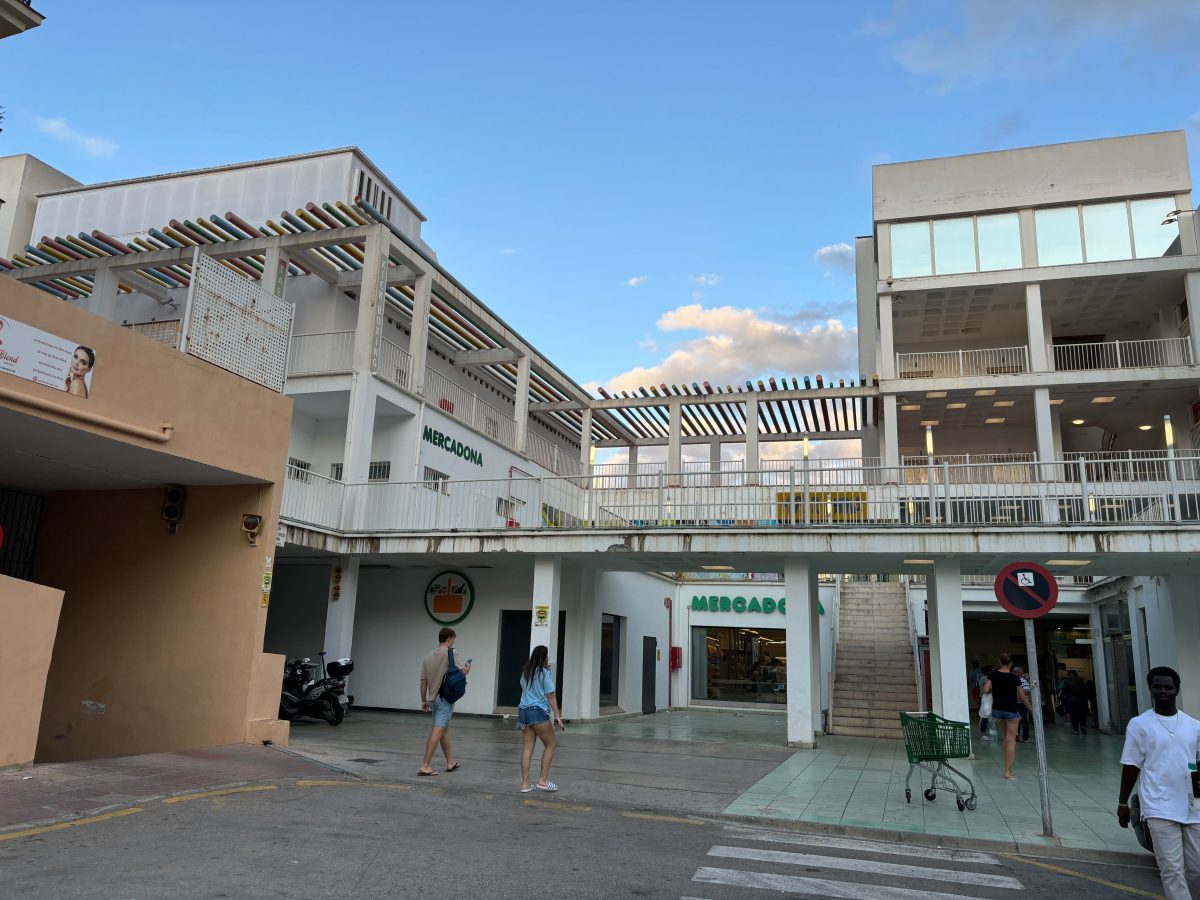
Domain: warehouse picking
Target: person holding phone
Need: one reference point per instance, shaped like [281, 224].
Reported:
[538, 716]
[433, 672]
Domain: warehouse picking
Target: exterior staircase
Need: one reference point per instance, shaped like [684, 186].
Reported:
[874, 678]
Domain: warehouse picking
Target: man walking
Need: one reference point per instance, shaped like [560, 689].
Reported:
[1160, 746]
[433, 671]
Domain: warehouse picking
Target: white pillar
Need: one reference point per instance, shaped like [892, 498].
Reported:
[633, 466]
[547, 588]
[372, 301]
[675, 442]
[274, 277]
[714, 462]
[947, 641]
[1035, 333]
[585, 443]
[521, 406]
[1043, 423]
[339, 615]
[803, 695]
[1191, 290]
[815, 673]
[887, 343]
[418, 335]
[588, 662]
[360, 429]
[752, 463]
[1099, 666]
[1185, 636]
[889, 435]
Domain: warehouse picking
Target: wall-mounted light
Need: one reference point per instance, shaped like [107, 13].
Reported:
[806, 447]
[1169, 432]
[929, 440]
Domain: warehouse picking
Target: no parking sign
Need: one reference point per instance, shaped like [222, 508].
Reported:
[1026, 589]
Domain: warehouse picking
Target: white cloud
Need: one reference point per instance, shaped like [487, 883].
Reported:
[708, 279]
[507, 251]
[637, 280]
[90, 144]
[736, 344]
[836, 256]
[1193, 122]
[649, 344]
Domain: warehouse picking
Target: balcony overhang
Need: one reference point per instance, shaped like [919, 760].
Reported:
[16, 16]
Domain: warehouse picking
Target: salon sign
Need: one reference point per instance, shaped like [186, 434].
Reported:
[45, 358]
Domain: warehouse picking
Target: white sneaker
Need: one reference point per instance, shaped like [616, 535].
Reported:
[985, 737]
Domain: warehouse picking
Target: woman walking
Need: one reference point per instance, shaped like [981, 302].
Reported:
[1074, 698]
[1005, 690]
[538, 715]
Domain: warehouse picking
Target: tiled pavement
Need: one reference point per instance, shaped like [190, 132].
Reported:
[56, 791]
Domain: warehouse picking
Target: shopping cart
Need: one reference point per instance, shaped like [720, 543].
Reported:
[930, 739]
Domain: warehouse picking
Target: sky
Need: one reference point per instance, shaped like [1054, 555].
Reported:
[651, 191]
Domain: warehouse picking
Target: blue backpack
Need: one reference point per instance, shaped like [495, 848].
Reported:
[454, 685]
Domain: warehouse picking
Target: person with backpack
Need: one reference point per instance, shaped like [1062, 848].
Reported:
[443, 682]
[538, 716]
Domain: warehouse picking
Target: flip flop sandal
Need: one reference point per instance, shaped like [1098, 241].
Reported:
[455, 767]
[549, 788]
[528, 790]
[426, 774]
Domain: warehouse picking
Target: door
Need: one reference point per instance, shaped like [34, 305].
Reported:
[649, 672]
[610, 659]
[515, 625]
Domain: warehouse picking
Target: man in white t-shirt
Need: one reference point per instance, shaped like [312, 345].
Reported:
[1159, 746]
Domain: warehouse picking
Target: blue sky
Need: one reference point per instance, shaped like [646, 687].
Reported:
[642, 189]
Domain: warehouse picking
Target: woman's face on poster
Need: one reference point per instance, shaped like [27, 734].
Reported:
[80, 364]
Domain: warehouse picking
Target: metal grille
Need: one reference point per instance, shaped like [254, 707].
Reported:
[235, 324]
[163, 332]
[19, 516]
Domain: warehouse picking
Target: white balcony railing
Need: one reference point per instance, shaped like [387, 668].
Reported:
[395, 365]
[321, 354]
[455, 400]
[1122, 354]
[963, 363]
[553, 457]
[1089, 493]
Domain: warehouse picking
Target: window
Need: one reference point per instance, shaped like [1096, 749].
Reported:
[910, 250]
[1106, 231]
[999, 242]
[379, 471]
[299, 470]
[954, 246]
[436, 481]
[742, 665]
[335, 471]
[1150, 236]
[1058, 238]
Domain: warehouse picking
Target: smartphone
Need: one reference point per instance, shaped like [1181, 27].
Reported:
[469, 661]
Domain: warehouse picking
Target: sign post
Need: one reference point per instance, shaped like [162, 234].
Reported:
[1029, 591]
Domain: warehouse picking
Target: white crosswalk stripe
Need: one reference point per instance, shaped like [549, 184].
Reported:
[848, 869]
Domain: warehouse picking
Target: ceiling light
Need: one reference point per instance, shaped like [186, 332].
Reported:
[1003, 402]
[956, 406]
[911, 407]
[1068, 562]
[717, 568]
[985, 392]
[1103, 399]
[1058, 402]
[999, 420]
[929, 421]
[1145, 427]
[918, 562]
[1077, 421]
[935, 395]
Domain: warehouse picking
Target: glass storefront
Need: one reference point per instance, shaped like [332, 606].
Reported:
[1117, 640]
[739, 665]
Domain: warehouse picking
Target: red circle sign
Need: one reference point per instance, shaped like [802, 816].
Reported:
[1026, 589]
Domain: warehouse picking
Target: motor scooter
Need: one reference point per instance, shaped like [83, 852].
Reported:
[321, 698]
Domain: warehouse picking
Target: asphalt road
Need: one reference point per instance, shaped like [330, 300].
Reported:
[336, 838]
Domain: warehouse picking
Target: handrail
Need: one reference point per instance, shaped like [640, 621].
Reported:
[164, 433]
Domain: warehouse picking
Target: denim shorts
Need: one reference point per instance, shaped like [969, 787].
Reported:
[531, 715]
[1004, 714]
[442, 711]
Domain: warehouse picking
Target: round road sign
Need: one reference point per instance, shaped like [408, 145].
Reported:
[1026, 589]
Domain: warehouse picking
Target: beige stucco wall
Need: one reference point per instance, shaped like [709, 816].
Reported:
[22, 178]
[30, 611]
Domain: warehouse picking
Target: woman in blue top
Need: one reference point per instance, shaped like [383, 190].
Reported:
[538, 707]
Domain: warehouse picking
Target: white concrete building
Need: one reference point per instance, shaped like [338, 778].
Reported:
[440, 466]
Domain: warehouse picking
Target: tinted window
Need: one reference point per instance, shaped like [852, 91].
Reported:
[999, 242]
[1058, 240]
[1106, 231]
[954, 246]
[910, 250]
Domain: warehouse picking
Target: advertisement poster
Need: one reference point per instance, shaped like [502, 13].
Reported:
[37, 355]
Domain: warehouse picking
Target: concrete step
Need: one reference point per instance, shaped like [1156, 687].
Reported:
[874, 731]
[877, 708]
[858, 698]
[882, 654]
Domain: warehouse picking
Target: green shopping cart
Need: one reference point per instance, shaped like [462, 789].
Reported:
[929, 741]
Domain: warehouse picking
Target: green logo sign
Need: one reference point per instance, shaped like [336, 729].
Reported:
[451, 446]
[449, 598]
[742, 605]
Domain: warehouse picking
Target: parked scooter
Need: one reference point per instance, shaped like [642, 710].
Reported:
[321, 698]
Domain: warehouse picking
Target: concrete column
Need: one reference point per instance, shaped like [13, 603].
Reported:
[1044, 424]
[585, 443]
[1185, 616]
[803, 694]
[339, 616]
[675, 442]
[947, 641]
[633, 466]
[418, 335]
[1191, 290]
[714, 462]
[1099, 665]
[1189, 225]
[587, 663]
[274, 277]
[887, 343]
[815, 673]
[547, 590]
[1029, 257]
[889, 436]
[104, 288]
[752, 461]
[1035, 333]
[372, 295]
[1137, 637]
[521, 408]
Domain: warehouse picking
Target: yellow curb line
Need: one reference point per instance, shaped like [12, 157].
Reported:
[317, 782]
[220, 793]
[554, 804]
[1061, 871]
[30, 832]
[653, 818]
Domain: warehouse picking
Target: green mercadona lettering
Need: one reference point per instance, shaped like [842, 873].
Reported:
[450, 445]
[740, 604]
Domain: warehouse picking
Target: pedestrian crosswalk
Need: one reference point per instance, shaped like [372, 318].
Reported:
[752, 860]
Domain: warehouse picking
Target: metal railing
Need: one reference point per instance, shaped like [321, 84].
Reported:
[321, 354]
[551, 456]
[455, 400]
[962, 363]
[950, 496]
[166, 332]
[395, 364]
[1122, 354]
